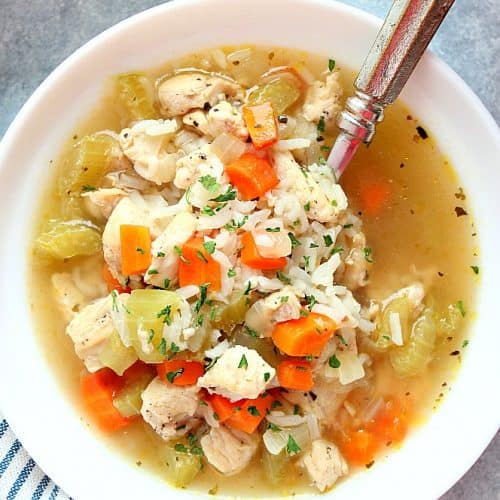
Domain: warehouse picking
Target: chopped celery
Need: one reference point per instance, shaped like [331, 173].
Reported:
[147, 311]
[116, 356]
[71, 207]
[233, 314]
[401, 306]
[414, 356]
[129, 401]
[91, 158]
[275, 466]
[66, 239]
[135, 93]
[264, 347]
[282, 93]
[182, 467]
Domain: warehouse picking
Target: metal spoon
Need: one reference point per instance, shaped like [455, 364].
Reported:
[407, 31]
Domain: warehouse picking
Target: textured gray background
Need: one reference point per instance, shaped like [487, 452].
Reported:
[36, 35]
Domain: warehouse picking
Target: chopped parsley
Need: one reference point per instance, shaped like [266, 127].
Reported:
[347, 226]
[209, 246]
[303, 313]
[311, 300]
[267, 376]
[196, 450]
[233, 225]
[206, 210]
[273, 427]
[211, 364]
[209, 183]
[88, 189]
[163, 347]
[334, 203]
[331, 64]
[283, 277]
[276, 404]
[284, 298]
[333, 362]
[254, 411]
[475, 269]
[294, 240]
[321, 124]
[179, 447]
[337, 249]
[292, 448]
[171, 376]
[213, 313]
[248, 288]
[461, 308]
[231, 273]
[307, 259]
[327, 238]
[200, 256]
[166, 312]
[199, 319]
[114, 296]
[273, 229]
[140, 250]
[243, 362]
[465, 343]
[153, 271]
[160, 254]
[313, 245]
[229, 195]
[342, 339]
[166, 283]
[251, 332]
[203, 297]
[296, 409]
[307, 206]
[368, 254]
[151, 335]
[174, 349]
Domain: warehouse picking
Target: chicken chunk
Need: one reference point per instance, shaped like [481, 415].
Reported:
[238, 374]
[324, 464]
[149, 145]
[169, 409]
[323, 99]
[197, 120]
[324, 205]
[186, 91]
[90, 329]
[67, 295]
[353, 271]
[229, 451]
[226, 118]
[102, 202]
[165, 263]
[279, 306]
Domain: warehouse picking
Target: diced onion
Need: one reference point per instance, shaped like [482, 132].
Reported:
[351, 368]
[239, 55]
[395, 327]
[219, 58]
[187, 291]
[282, 420]
[218, 349]
[313, 426]
[297, 143]
[228, 148]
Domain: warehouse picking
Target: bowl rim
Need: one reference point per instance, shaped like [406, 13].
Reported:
[27, 109]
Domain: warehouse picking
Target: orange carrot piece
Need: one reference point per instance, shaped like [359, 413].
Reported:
[374, 196]
[261, 123]
[359, 447]
[197, 267]
[180, 372]
[252, 175]
[135, 248]
[391, 422]
[112, 282]
[221, 406]
[248, 413]
[304, 336]
[97, 390]
[251, 257]
[295, 374]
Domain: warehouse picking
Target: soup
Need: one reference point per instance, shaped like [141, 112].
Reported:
[225, 313]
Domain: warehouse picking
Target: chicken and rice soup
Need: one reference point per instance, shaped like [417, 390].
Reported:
[219, 305]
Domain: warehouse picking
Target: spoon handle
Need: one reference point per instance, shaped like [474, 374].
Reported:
[407, 31]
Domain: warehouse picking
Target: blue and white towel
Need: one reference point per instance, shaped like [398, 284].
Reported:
[20, 477]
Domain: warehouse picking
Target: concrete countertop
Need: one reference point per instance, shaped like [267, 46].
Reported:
[36, 35]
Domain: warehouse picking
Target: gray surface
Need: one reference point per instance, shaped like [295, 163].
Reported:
[36, 35]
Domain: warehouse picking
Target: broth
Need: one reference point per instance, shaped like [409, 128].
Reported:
[418, 233]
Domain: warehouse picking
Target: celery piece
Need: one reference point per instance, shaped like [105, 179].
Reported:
[414, 356]
[182, 467]
[116, 356]
[382, 334]
[129, 401]
[228, 317]
[264, 347]
[71, 207]
[147, 312]
[66, 239]
[90, 159]
[275, 466]
[282, 93]
[135, 93]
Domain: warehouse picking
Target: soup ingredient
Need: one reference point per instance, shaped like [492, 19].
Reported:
[97, 391]
[135, 92]
[249, 338]
[192, 90]
[221, 407]
[115, 355]
[182, 466]
[324, 464]
[305, 336]
[323, 100]
[197, 266]
[374, 197]
[249, 413]
[360, 447]
[296, 375]
[400, 308]
[135, 244]
[169, 409]
[112, 283]
[251, 257]
[281, 93]
[238, 374]
[180, 372]
[229, 451]
[261, 123]
[252, 175]
[276, 467]
[67, 239]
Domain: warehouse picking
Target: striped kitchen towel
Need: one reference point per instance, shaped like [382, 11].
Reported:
[20, 477]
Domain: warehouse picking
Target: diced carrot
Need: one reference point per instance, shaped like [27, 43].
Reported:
[391, 422]
[295, 374]
[359, 447]
[135, 248]
[248, 413]
[304, 336]
[221, 406]
[252, 175]
[197, 267]
[112, 282]
[180, 371]
[250, 255]
[138, 370]
[97, 391]
[374, 196]
[261, 123]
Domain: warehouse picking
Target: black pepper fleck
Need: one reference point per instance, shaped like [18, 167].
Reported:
[422, 132]
[460, 211]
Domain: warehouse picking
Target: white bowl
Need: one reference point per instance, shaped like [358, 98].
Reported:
[436, 455]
